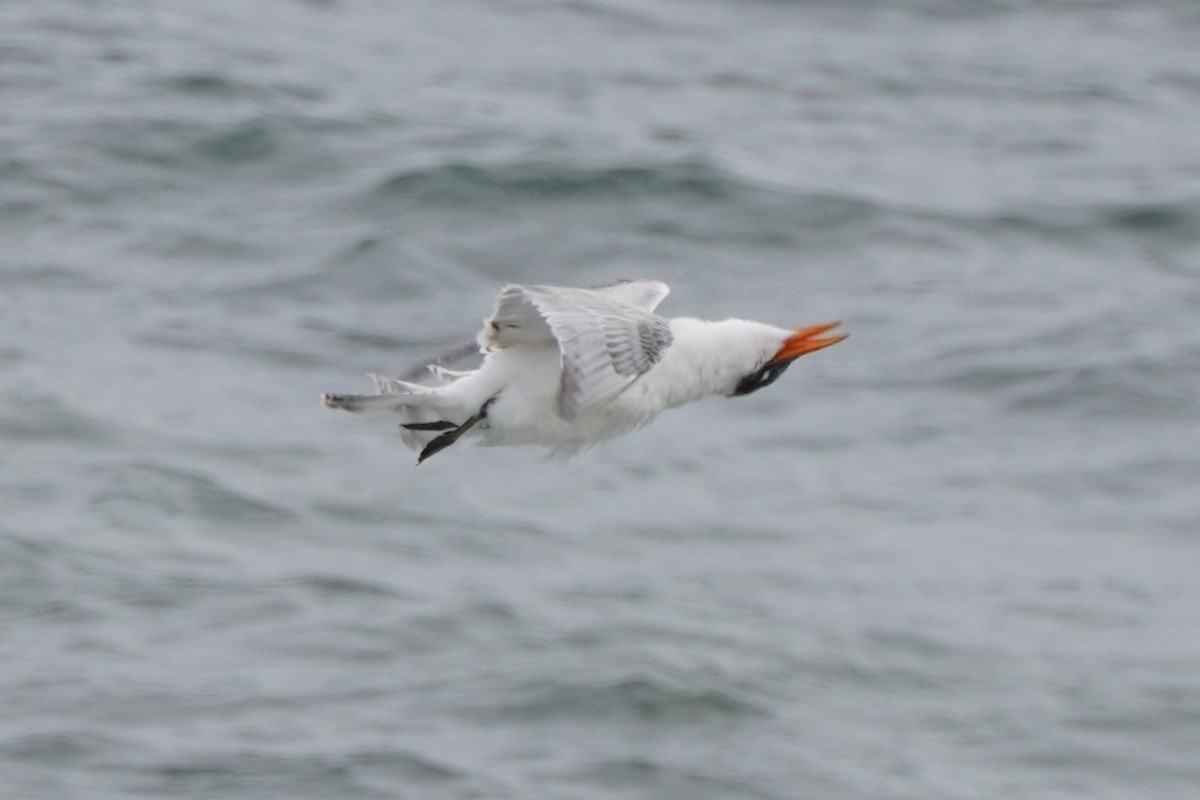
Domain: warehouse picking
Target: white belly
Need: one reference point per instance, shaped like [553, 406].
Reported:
[525, 410]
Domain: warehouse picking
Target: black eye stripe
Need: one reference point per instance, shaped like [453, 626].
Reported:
[763, 377]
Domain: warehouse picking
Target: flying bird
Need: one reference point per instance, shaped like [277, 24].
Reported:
[566, 367]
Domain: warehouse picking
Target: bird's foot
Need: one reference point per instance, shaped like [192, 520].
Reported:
[451, 436]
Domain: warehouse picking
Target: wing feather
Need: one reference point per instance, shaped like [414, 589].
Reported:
[644, 294]
[608, 337]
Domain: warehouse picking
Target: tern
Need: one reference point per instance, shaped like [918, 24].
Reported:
[567, 367]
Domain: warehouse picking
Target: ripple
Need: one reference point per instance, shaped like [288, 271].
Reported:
[262, 352]
[150, 487]
[1111, 384]
[29, 569]
[1136, 388]
[249, 141]
[366, 269]
[337, 586]
[221, 88]
[51, 277]
[201, 144]
[59, 747]
[299, 774]
[691, 200]
[42, 417]
[203, 83]
[461, 182]
[1178, 220]
[647, 698]
[637, 775]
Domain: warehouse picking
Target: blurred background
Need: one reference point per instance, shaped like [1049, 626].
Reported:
[956, 556]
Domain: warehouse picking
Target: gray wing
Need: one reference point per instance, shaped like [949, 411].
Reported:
[443, 359]
[606, 342]
[646, 295]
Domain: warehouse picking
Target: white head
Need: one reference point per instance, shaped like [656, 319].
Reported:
[735, 357]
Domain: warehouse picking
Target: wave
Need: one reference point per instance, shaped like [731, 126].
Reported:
[296, 774]
[688, 199]
[148, 151]
[691, 182]
[549, 181]
[157, 489]
[367, 270]
[1137, 387]
[184, 143]
[1177, 218]
[44, 417]
[199, 86]
[697, 181]
[641, 776]
[59, 746]
[1123, 385]
[639, 697]
[330, 586]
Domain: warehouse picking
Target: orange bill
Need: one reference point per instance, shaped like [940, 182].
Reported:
[807, 340]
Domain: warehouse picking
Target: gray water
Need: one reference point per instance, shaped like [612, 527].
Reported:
[956, 556]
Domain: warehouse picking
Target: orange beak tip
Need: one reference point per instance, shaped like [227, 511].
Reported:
[808, 340]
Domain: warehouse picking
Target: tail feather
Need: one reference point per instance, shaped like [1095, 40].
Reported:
[366, 402]
[426, 412]
[396, 386]
[393, 395]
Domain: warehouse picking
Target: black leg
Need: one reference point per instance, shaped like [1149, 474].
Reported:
[450, 437]
[439, 425]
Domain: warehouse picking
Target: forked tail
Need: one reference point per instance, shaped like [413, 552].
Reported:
[393, 395]
[429, 417]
